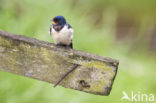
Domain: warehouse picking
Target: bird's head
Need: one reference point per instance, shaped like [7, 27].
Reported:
[59, 20]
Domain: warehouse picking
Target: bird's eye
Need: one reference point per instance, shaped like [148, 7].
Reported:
[55, 19]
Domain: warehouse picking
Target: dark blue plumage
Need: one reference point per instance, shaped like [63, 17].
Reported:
[60, 19]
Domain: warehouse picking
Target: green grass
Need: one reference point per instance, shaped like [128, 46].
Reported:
[32, 18]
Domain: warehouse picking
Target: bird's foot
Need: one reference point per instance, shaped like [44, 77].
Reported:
[62, 45]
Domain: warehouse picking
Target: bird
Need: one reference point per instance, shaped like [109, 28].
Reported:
[61, 32]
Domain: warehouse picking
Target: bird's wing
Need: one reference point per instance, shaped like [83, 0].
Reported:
[71, 45]
[71, 30]
[51, 29]
[69, 26]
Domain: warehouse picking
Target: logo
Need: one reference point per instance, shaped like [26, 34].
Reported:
[138, 96]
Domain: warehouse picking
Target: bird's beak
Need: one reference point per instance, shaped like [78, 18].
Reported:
[55, 22]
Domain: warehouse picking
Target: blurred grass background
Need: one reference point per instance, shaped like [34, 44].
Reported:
[121, 29]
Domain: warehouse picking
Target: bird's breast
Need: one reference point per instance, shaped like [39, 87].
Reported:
[63, 37]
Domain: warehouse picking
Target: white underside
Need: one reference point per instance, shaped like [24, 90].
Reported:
[62, 37]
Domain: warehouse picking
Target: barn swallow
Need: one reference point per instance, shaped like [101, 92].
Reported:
[61, 32]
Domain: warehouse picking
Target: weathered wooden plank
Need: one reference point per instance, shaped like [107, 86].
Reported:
[44, 61]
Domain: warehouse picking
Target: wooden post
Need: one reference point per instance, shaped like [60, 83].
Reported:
[44, 61]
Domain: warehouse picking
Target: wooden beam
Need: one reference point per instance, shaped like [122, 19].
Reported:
[44, 61]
